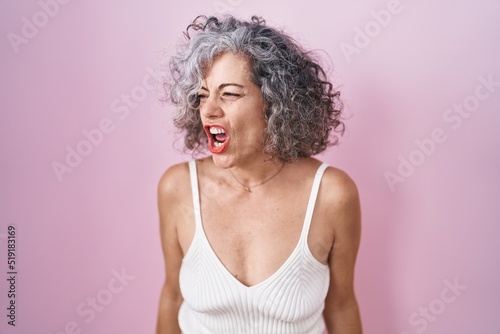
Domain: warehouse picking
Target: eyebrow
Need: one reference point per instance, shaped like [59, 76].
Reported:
[225, 85]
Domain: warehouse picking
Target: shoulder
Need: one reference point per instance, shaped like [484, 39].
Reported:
[337, 189]
[339, 197]
[338, 185]
[174, 182]
[174, 175]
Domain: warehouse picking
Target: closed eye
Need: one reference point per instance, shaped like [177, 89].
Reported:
[230, 96]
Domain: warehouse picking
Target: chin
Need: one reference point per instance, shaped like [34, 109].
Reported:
[222, 161]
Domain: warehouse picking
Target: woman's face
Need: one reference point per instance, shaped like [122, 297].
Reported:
[232, 112]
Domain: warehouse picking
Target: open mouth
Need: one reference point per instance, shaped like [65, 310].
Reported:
[217, 138]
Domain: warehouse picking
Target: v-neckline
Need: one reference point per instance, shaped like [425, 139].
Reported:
[263, 282]
[305, 227]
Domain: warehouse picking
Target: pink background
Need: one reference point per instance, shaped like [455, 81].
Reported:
[440, 224]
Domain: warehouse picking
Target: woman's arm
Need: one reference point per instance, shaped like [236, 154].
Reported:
[168, 204]
[341, 307]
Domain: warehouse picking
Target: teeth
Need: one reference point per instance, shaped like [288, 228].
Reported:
[216, 130]
[218, 144]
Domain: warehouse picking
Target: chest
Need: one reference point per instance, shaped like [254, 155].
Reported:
[253, 240]
[248, 220]
[254, 234]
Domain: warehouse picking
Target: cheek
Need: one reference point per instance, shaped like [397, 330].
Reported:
[249, 131]
[251, 125]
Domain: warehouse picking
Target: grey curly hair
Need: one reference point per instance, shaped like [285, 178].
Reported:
[302, 108]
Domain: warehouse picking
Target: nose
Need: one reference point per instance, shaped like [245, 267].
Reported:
[210, 107]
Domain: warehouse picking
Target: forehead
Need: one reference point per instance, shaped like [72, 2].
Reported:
[228, 67]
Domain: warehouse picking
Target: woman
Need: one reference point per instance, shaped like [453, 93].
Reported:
[258, 237]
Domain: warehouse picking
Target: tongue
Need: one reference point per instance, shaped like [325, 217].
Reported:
[221, 137]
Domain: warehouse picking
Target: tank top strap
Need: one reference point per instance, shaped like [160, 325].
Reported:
[312, 201]
[196, 194]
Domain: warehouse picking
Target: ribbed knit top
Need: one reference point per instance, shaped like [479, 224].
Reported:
[289, 301]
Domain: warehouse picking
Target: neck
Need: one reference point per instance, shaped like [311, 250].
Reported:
[256, 173]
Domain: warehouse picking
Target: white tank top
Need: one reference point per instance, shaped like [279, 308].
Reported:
[289, 301]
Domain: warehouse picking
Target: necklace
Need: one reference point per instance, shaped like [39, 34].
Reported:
[247, 188]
